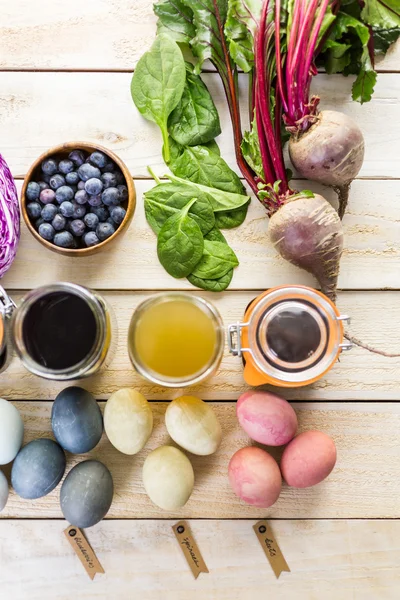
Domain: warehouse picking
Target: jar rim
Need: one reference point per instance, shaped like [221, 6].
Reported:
[177, 382]
[78, 369]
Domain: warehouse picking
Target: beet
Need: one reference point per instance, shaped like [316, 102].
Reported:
[307, 232]
[330, 152]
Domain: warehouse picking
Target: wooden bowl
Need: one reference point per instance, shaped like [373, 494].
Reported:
[60, 152]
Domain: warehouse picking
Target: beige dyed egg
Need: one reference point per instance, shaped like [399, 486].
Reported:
[255, 477]
[168, 477]
[193, 425]
[128, 420]
[308, 459]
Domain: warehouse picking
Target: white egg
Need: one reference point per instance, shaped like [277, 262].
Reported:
[3, 490]
[11, 432]
[168, 477]
[193, 425]
[128, 420]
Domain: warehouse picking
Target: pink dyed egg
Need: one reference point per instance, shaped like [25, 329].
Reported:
[255, 477]
[266, 418]
[308, 459]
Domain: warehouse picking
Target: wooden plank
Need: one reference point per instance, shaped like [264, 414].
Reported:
[90, 35]
[365, 482]
[40, 110]
[359, 375]
[350, 560]
[371, 258]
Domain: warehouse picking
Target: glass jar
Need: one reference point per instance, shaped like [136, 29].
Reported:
[290, 337]
[6, 309]
[176, 339]
[62, 331]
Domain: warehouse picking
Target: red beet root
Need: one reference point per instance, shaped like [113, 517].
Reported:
[308, 233]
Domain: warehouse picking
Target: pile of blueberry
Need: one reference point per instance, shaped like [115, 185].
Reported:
[77, 202]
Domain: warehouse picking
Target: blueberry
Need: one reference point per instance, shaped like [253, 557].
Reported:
[110, 167]
[47, 196]
[67, 209]
[91, 220]
[81, 185]
[46, 231]
[49, 212]
[64, 194]
[79, 210]
[59, 222]
[95, 200]
[81, 197]
[104, 231]
[123, 193]
[77, 227]
[87, 171]
[120, 178]
[77, 157]
[109, 220]
[111, 196]
[33, 209]
[98, 159]
[32, 191]
[43, 185]
[38, 222]
[46, 178]
[56, 181]
[72, 178]
[65, 166]
[64, 239]
[91, 239]
[118, 214]
[101, 212]
[49, 167]
[109, 180]
[94, 186]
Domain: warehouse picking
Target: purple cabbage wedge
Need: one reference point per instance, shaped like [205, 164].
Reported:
[9, 218]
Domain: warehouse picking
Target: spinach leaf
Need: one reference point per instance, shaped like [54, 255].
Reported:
[240, 28]
[195, 120]
[213, 147]
[175, 19]
[212, 285]
[220, 200]
[201, 165]
[158, 83]
[214, 235]
[166, 199]
[218, 258]
[180, 243]
[230, 219]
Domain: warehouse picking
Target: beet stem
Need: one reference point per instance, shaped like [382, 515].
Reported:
[342, 192]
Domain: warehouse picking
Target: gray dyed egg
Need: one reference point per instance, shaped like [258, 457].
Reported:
[76, 420]
[38, 469]
[87, 493]
[3, 491]
[11, 432]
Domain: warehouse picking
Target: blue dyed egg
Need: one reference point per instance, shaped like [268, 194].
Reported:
[38, 469]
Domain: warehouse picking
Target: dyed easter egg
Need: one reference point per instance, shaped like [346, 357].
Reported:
[192, 424]
[255, 477]
[3, 490]
[86, 494]
[76, 420]
[168, 477]
[38, 469]
[128, 420]
[266, 418]
[11, 432]
[308, 459]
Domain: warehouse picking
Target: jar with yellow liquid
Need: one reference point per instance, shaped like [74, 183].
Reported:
[176, 339]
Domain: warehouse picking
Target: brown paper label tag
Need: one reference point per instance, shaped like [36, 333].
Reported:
[84, 551]
[270, 546]
[190, 548]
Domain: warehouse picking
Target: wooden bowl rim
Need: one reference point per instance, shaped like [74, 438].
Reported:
[68, 147]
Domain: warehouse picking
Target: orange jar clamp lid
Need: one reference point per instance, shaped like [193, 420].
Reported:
[291, 336]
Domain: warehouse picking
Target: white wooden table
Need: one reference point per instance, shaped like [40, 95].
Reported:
[65, 70]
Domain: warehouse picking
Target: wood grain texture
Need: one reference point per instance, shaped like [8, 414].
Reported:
[41, 110]
[358, 376]
[92, 35]
[371, 257]
[350, 560]
[364, 483]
